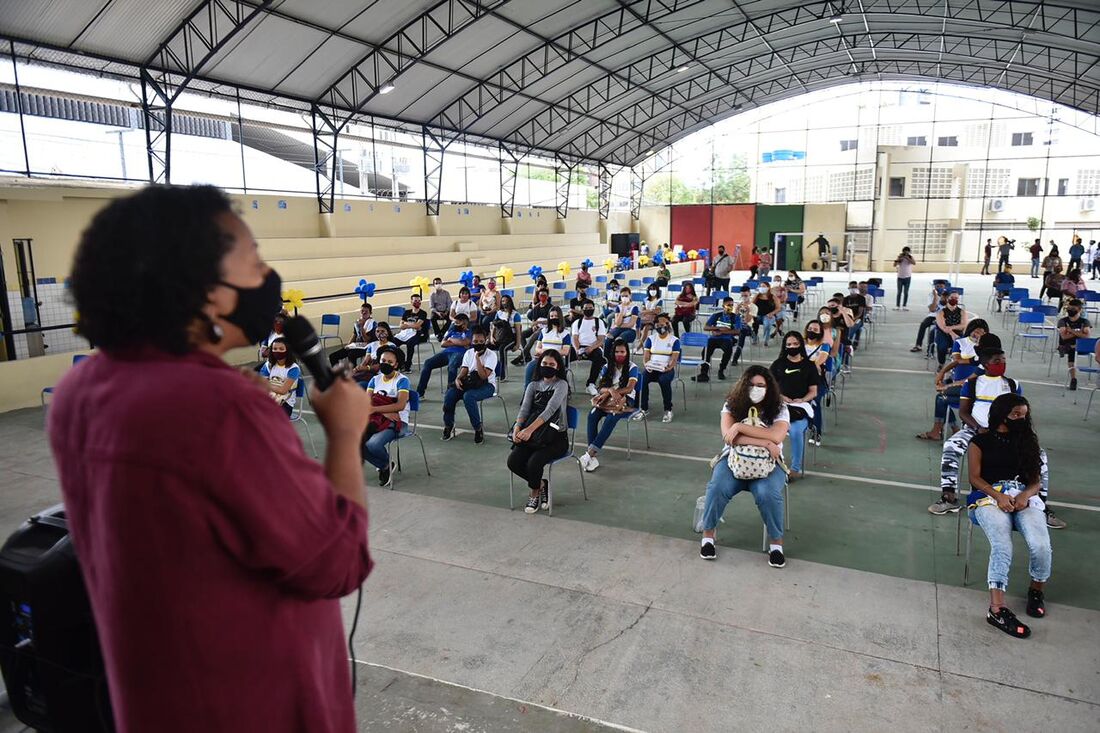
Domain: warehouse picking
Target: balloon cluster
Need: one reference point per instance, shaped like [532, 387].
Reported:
[610, 263]
[294, 298]
[624, 263]
[467, 278]
[587, 262]
[420, 285]
[505, 274]
[563, 269]
[534, 272]
[364, 290]
[643, 260]
[693, 254]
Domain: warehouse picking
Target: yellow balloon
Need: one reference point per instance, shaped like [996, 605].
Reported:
[294, 298]
[420, 285]
[643, 260]
[693, 254]
[609, 264]
[505, 274]
[563, 269]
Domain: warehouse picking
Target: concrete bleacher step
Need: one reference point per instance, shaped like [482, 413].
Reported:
[292, 248]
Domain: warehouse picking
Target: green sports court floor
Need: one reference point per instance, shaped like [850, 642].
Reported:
[477, 618]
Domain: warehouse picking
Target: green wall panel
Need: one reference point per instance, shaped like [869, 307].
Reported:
[771, 220]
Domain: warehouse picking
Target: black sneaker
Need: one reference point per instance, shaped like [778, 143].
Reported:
[448, 432]
[1035, 606]
[701, 377]
[707, 551]
[1073, 385]
[1007, 622]
[1054, 522]
[544, 495]
[518, 361]
[532, 505]
[722, 373]
[479, 435]
[776, 559]
[386, 474]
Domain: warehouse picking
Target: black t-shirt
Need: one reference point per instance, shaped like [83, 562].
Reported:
[1000, 457]
[1074, 325]
[418, 315]
[577, 304]
[857, 304]
[764, 305]
[539, 312]
[795, 378]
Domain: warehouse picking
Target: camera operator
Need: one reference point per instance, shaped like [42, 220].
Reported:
[214, 551]
[1004, 249]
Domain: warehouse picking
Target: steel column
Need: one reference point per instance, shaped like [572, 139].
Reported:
[605, 179]
[637, 183]
[563, 173]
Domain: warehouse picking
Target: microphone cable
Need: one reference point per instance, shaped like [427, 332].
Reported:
[351, 637]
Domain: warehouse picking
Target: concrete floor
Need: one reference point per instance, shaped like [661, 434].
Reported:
[477, 618]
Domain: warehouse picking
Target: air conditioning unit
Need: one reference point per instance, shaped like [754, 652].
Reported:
[996, 204]
[1088, 204]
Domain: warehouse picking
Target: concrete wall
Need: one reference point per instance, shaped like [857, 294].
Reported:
[655, 224]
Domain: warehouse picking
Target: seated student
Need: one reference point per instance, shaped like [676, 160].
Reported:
[779, 295]
[362, 334]
[541, 432]
[976, 396]
[766, 308]
[1004, 468]
[611, 297]
[475, 289]
[1052, 284]
[625, 324]
[553, 336]
[661, 354]
[964, 361]
[488, 303]
[663, 276]
[1070, 328]
[685, 308]
[276, 332]
[368, 367]
[797, 377]
[723, 326]
[439, 303]
[856, 302]
[465, 305]
[389, 412]
[1003, 279]
[476, 381]
[1071, 286]
[795, 285]
[817, 352]
[937, 301]
[578, 303]
[505, 331]
[413, 328]
[651, 306]
[537, 317]
[282, 374]
[540, 285]
[453, 346]
[613, 401]
[758, 392]
[587, 338]
[950, 325]
[584, 277]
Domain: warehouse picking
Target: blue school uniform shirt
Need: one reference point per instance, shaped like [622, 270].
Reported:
[286, 373]
[616, 374]
[454, 333]
[965, 348]
[721, 319]
[1004, 278]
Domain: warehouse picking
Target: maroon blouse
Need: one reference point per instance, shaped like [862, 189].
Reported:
[214, 550]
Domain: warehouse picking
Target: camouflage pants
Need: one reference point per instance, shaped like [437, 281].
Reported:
[954, 448]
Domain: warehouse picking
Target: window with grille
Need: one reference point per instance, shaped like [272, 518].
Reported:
[1027, 187]
[1021, 138]
[841, 186]
[897, 186]
[815, 188]
[1063, 186]
[780, 195]
[987, 182]
[928, 238]
[865, 182]
[918, 140]
[1088, 182]
[951, 141]
[848, 144]
[933, 183]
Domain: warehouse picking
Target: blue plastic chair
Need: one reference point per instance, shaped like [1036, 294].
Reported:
[600, 278]
[647, 280]
[77, 358]
[637, 297]
[644, 420]
[395, 446]
[634, 283]
[573, 418]
[330, 329]
[1030, 322]
[510, 292]
[557, 285]
[296, 413]
[395, 311]
[1086, 349]
[691, 340]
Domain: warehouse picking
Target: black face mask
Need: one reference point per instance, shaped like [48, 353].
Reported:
[257, 307]
[793, 350]
[588, 312]
[1014, 425]
[1072, 312]
[386, 368]
[548, 372]
[812, 335]
[554, 322]
[480, 348]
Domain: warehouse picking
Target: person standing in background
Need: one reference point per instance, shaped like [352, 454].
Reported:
[988, 253]
[722, 267]
[1094, 259]
[1036, 250]
[1076, 253]
[1004, 250]
[823, 250]
[904, 265]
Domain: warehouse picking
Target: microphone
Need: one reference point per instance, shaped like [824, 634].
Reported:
[302, 341]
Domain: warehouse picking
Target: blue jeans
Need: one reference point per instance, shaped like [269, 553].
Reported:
[998, 526]
[469, 397]
[664, 379]
[626, 334]
[1035, 267]
[598, 434]
[374, 450]
[767, 491]
[819, 412]
[943, 346]
[797, 434]
[451, 359]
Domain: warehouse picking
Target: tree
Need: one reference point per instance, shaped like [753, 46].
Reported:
[667, 188]
[732, 184]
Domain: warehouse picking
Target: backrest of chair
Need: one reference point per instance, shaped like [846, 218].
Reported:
[720, 294]
[956, 291]
[1093, 296]
[708, 300]
[1086, 347]
[1031, 317]
[395, 311]
[1047, 310]
[675, 288]
[637, 297]
[300, 388]
[569, 295]
[509, 292]
[1030, 303]
[558, 285]
[414, 401]
[330, 319]
[792, 297]
[1017, 294]
[634, 283]
[601, 278]
[694, 338]
[572, 416]
[77, 358]
[648, 280]
[699, 280]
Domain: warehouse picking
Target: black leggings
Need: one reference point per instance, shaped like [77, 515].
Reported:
[352, 355]
[528, 463]
[686, 320]
[597, 360]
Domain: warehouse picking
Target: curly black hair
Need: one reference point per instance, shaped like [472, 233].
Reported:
[145, 264]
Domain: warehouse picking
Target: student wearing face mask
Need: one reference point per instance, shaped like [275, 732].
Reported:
[904, 264]
[1070, 328]
[368, 367]
[389, 412]
[779, 295]
[578, 303]
[856, 302]
[1005, 467]
[796, 286]
[541, 432]
[661, 353]
[765, 263]
[476, 381]
[282, 374]
[613, 401]
[797, 378]
[651, 307]
[362, 335]
[625, 324]
[488, 303]
[464, 305]
[554, 336]
[505, 331]
[766, 308]
[976, 396]
[476, 288]
[935, 304]
[964, 362]
[817, 352]
[453, 346]
[414, 327]
[950, 325]
[755, 395]
[587, 336]
[439, 305]
[611, 296]
[537, 317]
[723, 328]
[685, 308]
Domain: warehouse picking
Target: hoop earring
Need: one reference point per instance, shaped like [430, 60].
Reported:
[214, 332]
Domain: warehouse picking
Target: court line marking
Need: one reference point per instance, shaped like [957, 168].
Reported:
[822, 474]
[527, 703]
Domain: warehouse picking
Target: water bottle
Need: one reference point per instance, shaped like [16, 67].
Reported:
[697, 521]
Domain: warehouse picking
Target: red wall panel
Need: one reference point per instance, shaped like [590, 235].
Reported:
[691, 226]
[734, 224]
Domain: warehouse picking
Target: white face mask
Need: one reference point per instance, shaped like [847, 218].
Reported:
[824, 318]
[853, 291]
[756, 394]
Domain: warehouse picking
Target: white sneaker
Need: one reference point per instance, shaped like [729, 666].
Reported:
[584, 459]
[591, 389]
[592, 464]
[638, 351]
[639, 415]
[667, 417]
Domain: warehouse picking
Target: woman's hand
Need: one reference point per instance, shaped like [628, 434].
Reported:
[1020, 501]
[773, 451]
[730, 435]
[520, 436]
[1005, 503]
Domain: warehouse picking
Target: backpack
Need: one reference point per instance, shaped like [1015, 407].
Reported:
[751, 461]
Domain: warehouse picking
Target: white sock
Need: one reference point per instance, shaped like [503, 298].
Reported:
[772, 547]
[708, 540]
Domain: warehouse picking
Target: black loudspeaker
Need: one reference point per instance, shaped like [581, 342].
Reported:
[49, 650]
[621, 244]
